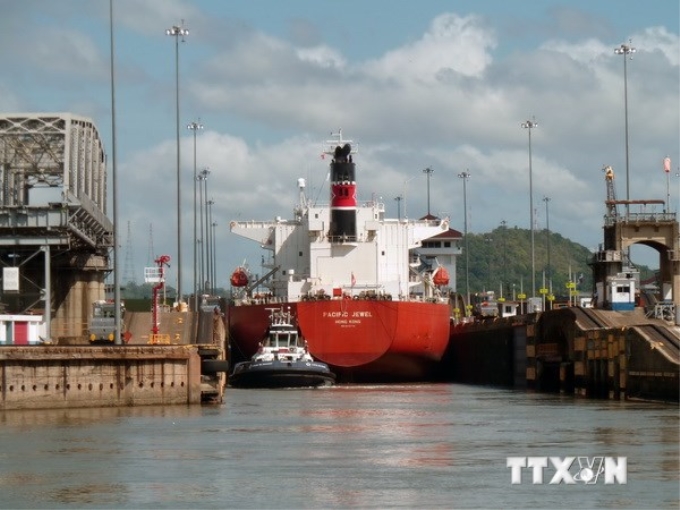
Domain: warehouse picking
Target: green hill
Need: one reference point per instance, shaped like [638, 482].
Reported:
[504, 256]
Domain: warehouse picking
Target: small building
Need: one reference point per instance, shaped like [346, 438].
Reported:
[445, 248]
[508, 308]
[619, 292]
[21, 329]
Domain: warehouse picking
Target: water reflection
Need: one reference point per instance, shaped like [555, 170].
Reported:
[413, 446]
[99, 494]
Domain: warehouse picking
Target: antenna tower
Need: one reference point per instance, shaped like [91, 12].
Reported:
[151, 259]
[129, 270]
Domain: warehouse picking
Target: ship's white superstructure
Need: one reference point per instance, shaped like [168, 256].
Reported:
[306, 262]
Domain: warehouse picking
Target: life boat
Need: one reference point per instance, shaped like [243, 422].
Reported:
[239, 278]
[441, 276]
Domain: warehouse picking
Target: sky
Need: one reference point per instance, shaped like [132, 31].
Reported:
[434, 84]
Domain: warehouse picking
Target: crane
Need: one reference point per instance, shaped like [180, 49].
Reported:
[611, 191]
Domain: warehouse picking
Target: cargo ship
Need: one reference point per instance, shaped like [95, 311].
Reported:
[367, 303]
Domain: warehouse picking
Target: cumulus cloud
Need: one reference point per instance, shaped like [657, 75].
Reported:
[323, 56]
[452, 44]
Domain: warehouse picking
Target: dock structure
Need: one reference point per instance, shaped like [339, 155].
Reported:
[623, 349]
[141, 372]
[55, 236]
[605, 354]
[53, 377]
[574, 351]
[55, 253]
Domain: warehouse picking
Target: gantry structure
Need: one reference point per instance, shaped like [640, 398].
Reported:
[648, 222]
[55, 236]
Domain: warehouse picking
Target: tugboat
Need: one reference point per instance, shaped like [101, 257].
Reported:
[282, 359]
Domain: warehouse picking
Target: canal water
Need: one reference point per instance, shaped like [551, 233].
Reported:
[405, 446]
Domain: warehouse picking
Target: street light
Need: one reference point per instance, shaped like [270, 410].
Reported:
[195, 126]
[214, 255]
[677, 206]
[625, 50]
[529, 125]
[547, 227]
[399, 199]
[209, 232]
[490, 253]
[505, 234]
[465, 176]
[429, 171]
[203, 177]
[177, 32]
[114, 177]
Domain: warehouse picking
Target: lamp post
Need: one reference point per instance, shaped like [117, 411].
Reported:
[209, 233]
[547, 227]
[529, 125]
[195, 126]
[505, 234]
[214, 255]
[677, 206]
[667, 171]
[465, 176]
[489, 240]
[429, 171]
[399, 199]
[203, 177]
[177, 32]
[114, 177]
[625, 50]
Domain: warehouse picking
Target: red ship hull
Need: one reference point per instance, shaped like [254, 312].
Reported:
[361, 340]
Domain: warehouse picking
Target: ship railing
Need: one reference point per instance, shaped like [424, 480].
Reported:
[343, 239]
[259, 224]
[258, 300]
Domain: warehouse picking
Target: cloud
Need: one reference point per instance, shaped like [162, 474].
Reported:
[323, 56]
[67, 53]
[452, 44]
[435, 111]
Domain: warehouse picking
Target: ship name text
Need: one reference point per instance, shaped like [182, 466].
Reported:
[359, 314]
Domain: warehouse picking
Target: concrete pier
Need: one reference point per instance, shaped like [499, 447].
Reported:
[42, 377]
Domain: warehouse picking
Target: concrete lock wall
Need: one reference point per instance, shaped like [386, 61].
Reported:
[38, 377]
